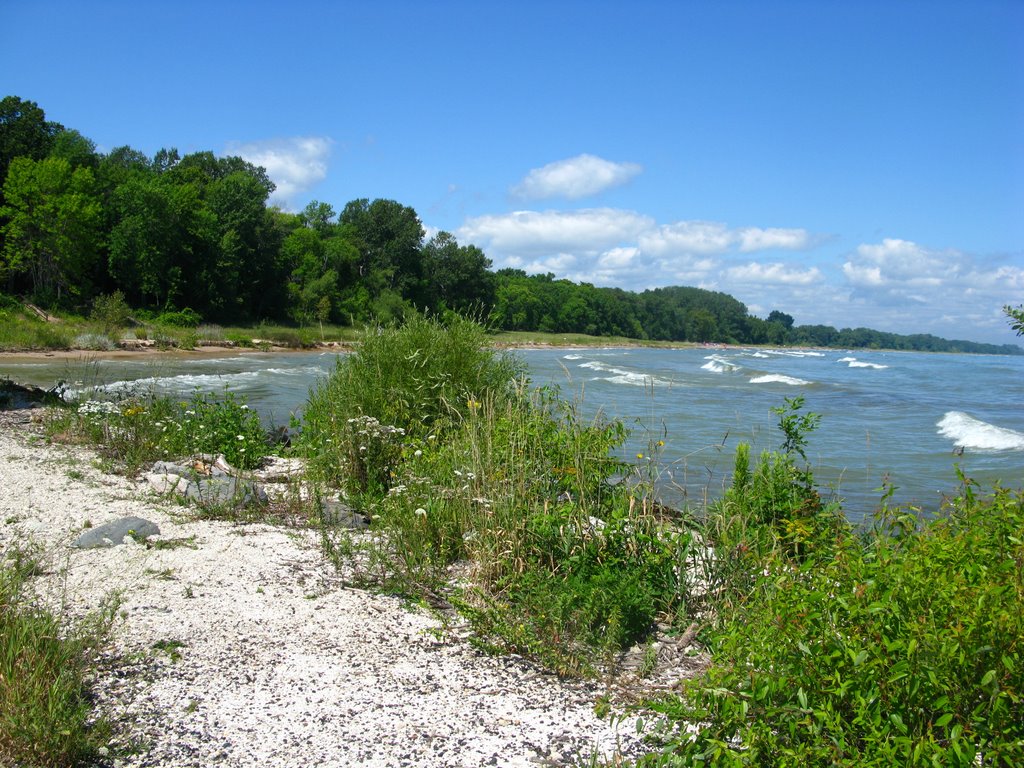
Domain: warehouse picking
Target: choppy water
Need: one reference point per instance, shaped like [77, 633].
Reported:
[900, 417]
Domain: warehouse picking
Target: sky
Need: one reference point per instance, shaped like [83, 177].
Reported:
[851, 164]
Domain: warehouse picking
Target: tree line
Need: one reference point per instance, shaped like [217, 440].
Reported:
[194, 234]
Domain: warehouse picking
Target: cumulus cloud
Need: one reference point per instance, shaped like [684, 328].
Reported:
[294, 164]
[531, 233]
[614, 247]
[577, 177]
[954, 293]
[776, 272]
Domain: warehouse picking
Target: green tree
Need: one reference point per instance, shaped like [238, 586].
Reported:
[52, 227]
[457, 277]
[389, 237]
[24, 132]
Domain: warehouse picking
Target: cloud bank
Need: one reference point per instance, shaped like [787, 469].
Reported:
[577, 177]
[894, 285]
[294, 164]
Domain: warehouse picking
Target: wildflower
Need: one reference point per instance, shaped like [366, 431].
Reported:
[417, 454]
[473, 404]
[241, 437]
[421, 512]
[661, 443]
[639, 455]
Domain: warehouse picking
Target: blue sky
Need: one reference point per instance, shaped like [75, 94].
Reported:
[849, 163]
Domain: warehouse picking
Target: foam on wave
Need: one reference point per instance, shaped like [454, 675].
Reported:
[978, 435]
[719, 364]
[778, 378]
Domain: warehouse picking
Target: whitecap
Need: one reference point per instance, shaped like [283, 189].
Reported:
[847, 360]
[972, 433]
[181, 382]
[858, 364]
[718, 364]
[572, 357]
[775, 378]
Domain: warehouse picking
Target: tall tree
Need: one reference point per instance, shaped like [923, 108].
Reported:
[389, 237]
[52, 226]
[457, 277]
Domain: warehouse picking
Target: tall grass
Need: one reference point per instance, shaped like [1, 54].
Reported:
[461, 464]
[46, 717]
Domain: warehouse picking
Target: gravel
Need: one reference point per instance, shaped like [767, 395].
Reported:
[238, 645]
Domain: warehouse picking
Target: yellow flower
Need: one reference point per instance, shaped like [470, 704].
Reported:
[639, 455]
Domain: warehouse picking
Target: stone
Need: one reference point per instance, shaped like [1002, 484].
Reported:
[113, 533]
[224, 489]
[343, 516]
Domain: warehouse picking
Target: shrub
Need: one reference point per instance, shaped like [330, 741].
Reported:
[111, 312]
[422, 377]
[143, 429]
[184, 318]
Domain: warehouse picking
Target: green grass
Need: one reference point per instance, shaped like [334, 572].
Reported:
[45, 714]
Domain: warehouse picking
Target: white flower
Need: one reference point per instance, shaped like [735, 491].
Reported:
[417, 454]
[421, 511]
[241, 437]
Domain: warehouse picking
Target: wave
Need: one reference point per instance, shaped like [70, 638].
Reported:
[620, 376]
[572, 357]
[969, 432]
[181, 382]
[795, 352]
[853, 362]
[776, 378]
[718, 364]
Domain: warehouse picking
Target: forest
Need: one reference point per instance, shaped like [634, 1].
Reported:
[193, 238]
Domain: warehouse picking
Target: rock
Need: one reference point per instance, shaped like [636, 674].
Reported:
[336, 513]
[113, 533]
[224, 489]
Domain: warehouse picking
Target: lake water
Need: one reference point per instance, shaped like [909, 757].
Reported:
[898, 417]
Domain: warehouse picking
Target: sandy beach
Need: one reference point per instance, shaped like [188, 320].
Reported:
[238, 645]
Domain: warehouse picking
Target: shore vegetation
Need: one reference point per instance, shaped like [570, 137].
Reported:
[900, 641]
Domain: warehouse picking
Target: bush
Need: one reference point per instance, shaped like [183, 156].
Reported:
[185, 318]
[903, 645]
[426, 430]
[422, 377]
[111, 312]
[141, 430]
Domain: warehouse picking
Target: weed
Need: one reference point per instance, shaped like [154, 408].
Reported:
[45, 715]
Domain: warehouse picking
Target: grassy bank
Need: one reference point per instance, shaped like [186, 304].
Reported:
[110, 327]
[897, 643]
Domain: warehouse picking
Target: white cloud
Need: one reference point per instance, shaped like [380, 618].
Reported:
[294, 164]
[755, 239]
[688, 237]
[577, 177]
[910, 288]
[530, 233]
[777, 273]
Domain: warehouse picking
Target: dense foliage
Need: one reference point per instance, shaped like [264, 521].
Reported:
[902, 645]
[173, 233]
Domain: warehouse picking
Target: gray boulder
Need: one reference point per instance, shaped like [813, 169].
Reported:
[113, 533]
[341, 515]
